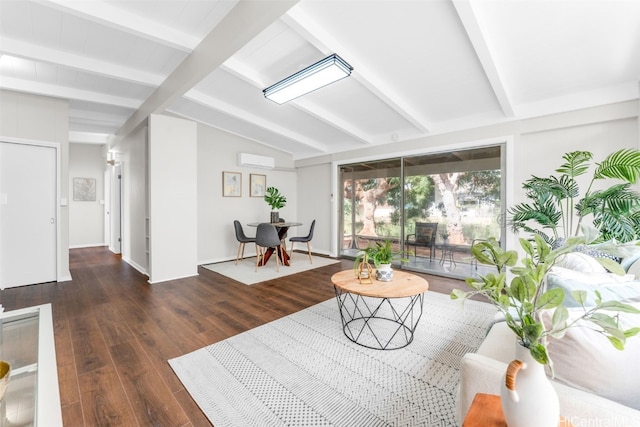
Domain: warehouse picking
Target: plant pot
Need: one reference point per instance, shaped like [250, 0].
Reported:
[5, 373]
[384, 273]
[275, 217]
[527, 396]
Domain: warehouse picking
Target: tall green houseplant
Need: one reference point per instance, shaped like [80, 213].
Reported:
[557, 210]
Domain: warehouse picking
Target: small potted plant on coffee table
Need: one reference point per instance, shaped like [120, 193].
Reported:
[382, 255]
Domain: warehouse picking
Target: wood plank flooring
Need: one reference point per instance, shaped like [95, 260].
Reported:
[114, 332]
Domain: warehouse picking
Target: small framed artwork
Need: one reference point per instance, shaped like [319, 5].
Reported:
[231, 184]
[84, 189]
[257, 185]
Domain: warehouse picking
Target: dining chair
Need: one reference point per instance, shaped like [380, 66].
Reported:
[242, 239]
[306, 239]
[267, 237]
[284, 236]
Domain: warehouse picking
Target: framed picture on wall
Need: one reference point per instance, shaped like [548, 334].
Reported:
[231, 184]
[257, 185]
[84, 189]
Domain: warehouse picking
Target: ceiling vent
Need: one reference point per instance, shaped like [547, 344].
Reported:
[256, 161]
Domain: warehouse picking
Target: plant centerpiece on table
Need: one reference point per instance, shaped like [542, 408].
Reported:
[276, 201]
[382, 255]
[445, 237]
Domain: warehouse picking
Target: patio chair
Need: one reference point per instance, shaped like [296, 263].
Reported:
[425, 236]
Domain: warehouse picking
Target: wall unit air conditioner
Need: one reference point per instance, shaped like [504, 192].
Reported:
[256, 161]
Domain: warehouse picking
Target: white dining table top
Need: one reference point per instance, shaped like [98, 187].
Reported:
[276, 224]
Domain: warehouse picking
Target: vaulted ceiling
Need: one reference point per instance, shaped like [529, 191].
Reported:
[420, 67]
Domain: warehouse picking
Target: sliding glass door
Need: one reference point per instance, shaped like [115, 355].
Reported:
[433, 206]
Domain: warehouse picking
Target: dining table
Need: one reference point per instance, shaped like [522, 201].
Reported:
[282, 228]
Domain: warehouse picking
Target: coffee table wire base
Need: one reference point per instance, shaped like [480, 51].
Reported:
[379, 323]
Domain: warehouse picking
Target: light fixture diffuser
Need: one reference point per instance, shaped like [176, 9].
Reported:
[324, 72]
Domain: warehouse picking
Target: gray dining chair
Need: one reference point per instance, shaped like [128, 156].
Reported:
[283, 238]
[305, 239]
[267, 237]
[242, 239]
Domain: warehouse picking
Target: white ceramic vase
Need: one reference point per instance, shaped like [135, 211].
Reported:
[384, 273]
[528, 397]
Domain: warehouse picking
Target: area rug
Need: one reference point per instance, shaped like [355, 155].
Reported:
[301, 370]
[245, 272]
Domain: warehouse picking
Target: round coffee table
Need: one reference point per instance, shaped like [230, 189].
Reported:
[380, 315]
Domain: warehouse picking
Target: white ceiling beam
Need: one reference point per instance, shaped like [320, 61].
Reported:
[78, 62]
[472, 27]
[246, 20]
[57, 91]
[88, 138]
[103, 13]
[254, 120]
[318, 36]
[251, 76]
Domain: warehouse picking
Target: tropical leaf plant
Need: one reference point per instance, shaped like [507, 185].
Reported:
[557, 210]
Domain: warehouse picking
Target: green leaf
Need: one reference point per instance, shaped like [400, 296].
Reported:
[457, 293]
[624, 164]
[550, 299]
[575, 164]
[532, 332]
[618, 306]
[616, 342]
[539, 353]
[579, 296]
[611, 265]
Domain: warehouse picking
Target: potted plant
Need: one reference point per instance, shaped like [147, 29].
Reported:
[276, 201]
[556, 209]
[445, 237]
[525, 303]
[382, 255]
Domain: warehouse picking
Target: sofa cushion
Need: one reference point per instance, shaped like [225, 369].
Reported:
[585, 359]
[611, 286]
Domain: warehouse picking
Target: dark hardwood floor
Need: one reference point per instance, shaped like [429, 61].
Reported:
[114, 332]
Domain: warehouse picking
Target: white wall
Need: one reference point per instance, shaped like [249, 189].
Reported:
[132, 154]
[217, 152]
[41, 118]
[536, 147]
[86, 218]
[315, 202]
[172, 191]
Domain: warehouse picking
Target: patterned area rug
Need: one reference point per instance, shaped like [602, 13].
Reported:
[245, 272]
[301, 370]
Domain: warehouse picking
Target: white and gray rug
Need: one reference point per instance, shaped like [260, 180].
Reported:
[301, 370]
[245, 272]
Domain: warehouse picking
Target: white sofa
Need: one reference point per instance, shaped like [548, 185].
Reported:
[481, 372]
[597, 385]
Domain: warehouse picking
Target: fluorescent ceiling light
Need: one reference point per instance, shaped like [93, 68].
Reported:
[329, 70]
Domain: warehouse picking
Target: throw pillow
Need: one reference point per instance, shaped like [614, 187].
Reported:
[580, 262]
[585, 359]
[634, 269]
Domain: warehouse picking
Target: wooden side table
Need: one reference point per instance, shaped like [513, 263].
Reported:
[486, 411]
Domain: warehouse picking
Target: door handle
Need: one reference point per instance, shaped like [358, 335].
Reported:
[52, 220]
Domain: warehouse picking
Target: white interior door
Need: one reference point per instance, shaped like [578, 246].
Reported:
[28, 181]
